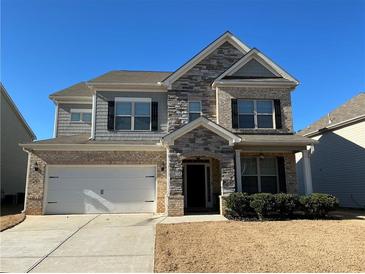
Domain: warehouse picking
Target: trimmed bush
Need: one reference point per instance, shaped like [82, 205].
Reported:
[286, 204]
[318, 205]
[238, 205]
[263, 204]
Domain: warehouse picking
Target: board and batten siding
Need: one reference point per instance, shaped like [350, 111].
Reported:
[64, 125]
[101, 123]
[338, 165]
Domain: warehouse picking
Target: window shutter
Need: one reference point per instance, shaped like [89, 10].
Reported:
[111, 115]
[277, 114]
[281, 174]
[154, 116]
[234, 113]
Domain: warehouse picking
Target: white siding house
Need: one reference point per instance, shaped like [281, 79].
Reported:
[338, 160]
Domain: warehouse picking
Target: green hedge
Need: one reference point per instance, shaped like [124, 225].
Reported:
[281, 205]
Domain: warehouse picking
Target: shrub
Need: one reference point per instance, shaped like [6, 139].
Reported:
[318, 204]
[238, 205]
[263, 204]
[286, 204]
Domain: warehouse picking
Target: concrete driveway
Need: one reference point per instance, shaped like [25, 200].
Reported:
[80, 243]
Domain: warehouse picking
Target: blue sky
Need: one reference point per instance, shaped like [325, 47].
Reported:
[48, 45]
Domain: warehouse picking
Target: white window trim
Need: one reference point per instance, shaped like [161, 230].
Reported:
[195, 101]
[81, 111]
[259, 175]
[132, 115]
[255, 113]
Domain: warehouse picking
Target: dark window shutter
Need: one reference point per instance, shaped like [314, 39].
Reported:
[277, 114]
[234, 113]
[111, 115]
[281, 175]
[154, 116]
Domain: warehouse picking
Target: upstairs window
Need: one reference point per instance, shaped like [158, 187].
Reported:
[256, 114]
[195, 110]
[133, 114]
[80, 115]
[259, 175]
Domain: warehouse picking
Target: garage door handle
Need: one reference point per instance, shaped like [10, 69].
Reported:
[151, 176]
[53, 177]
[149, 201]
[52, 202]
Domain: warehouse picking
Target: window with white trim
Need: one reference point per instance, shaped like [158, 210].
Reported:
[195, 110]
[80, 115]
[132, 114]
[256, 114]
[259, 175]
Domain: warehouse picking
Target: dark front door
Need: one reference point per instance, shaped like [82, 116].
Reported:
[195, 186]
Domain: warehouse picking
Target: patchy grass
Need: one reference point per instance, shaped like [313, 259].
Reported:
[281, 246]
[9, 221]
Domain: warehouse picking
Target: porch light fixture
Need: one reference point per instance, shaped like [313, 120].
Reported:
[262, 156]
[36, 167]
[163, 166]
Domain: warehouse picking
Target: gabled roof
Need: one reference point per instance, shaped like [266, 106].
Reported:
[131, 77]
[350, 112]
[226, 37]
[201, 122]
[16, 111]
[255, 54]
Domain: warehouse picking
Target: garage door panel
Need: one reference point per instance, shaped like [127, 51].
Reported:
[100, 189]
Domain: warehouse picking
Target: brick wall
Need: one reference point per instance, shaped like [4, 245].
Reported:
[36, 179]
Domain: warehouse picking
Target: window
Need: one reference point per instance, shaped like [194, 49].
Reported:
[195, 110]
[255, 114]
[80, 115]
[132, 114]
[259, 175]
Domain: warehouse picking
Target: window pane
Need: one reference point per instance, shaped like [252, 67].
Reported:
[142, 123]
[142, 109]
[249, 184]
[123, 108]
[268, 184]
[123, 123]
[268, 166]
[264, 106]
[75, 116]
[86, 117]
[264, 121]
[245, 106]
[248, 166]
[246, 121]
[193, 116]
[194, 107]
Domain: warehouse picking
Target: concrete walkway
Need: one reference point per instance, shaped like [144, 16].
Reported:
[80, 243]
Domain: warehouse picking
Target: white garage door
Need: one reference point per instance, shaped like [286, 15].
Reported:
[100, 189]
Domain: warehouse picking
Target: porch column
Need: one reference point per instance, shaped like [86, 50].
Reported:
[307, 172]
[238, 171]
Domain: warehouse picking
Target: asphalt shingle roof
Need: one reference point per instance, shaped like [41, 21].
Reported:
[353, 108]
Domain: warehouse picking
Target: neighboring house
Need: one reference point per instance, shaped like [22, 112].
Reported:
[14, 130]
[338, 160]
[174, 142]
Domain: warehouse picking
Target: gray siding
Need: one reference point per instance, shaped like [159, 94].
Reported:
[338, 165]
[254, 69]
[101, 130]
[64, 125]
[13, 158]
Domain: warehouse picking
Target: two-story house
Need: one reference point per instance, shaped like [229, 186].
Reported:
[174, 142]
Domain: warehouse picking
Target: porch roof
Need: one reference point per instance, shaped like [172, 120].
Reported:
[275, 140]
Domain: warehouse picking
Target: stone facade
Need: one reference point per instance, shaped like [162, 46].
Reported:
[199, 142]
[36, 179]
[196, 85]
[225, 96]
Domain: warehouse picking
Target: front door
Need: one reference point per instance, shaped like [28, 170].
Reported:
[195, 186]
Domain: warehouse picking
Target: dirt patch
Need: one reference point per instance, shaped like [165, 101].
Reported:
[282, 246]
[9, 221]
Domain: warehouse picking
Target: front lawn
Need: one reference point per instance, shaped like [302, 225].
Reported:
[280, 246]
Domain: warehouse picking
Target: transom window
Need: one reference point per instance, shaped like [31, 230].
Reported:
[259, 175]
[256, 114]
[132, 114]
[80, 115]
[195, 110]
